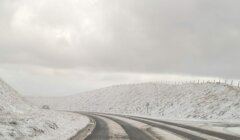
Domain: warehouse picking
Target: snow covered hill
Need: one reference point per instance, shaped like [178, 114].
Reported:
[11, 101]
[19, 120]
[195, 101]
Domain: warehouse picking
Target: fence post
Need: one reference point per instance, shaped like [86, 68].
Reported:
[225, 82]
[231, 82]
[147, 105]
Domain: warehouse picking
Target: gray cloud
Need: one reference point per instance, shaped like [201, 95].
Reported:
[193, 37]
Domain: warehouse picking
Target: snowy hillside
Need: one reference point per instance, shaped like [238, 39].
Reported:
[196, 101]
[22, 121]
[10, 100]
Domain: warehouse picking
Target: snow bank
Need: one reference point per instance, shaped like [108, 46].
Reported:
[43, 125]
[195, 101]
[20, 120]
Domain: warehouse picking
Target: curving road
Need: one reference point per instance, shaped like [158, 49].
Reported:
[119, 127]
[100, 131]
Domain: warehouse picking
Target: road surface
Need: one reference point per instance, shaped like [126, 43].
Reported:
[122, 127]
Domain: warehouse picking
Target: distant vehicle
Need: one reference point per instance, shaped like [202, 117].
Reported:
[45, 107]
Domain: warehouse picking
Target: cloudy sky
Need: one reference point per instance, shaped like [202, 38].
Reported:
[61, 47]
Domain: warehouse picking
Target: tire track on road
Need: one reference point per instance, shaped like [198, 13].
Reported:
[133, 132]
[164, 127]
[100, 132]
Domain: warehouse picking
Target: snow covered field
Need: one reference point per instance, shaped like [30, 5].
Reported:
[207, 101]
[22, 121]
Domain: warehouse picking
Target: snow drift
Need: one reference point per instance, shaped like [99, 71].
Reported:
[20, 120]
[195, 101]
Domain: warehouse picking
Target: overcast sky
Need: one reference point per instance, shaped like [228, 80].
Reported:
[61, 47]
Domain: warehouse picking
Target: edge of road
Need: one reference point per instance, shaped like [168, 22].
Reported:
[85, 132]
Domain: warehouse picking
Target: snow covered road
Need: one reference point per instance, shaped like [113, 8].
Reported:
[121, 127]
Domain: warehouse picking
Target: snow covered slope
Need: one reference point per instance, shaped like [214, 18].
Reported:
[195, 101]
[19, 120]
[10, 100]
